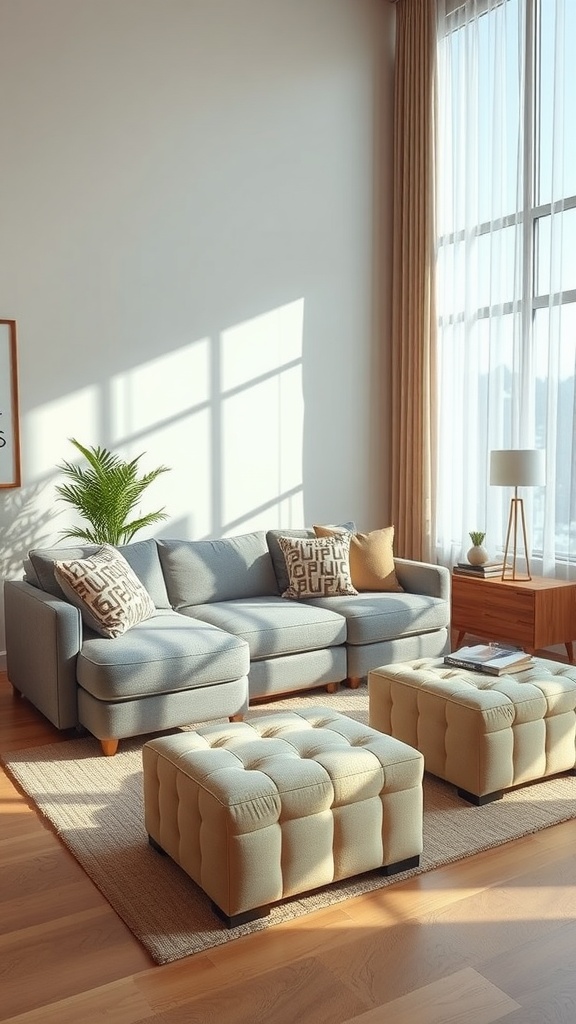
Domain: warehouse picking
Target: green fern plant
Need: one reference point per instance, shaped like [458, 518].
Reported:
[106, 493]
[476, 536]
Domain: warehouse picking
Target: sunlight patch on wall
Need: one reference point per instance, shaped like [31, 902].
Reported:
[262, 345]
[160, 391]
[262, 420]
[166, 407]
[185, 445]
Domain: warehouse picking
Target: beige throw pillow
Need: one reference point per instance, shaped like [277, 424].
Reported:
[107, 591]
[371, 558]
[317, 566]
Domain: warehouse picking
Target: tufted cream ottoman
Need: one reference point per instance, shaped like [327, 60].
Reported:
[482, 733]
[261, 810]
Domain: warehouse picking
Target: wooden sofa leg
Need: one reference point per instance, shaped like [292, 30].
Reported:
[353, 682]
[109, 747]
[331, 687]
[236, 718]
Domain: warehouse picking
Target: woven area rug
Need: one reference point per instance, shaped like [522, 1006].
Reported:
[95, 804]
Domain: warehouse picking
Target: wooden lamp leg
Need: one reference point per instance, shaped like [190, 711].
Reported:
[516, 511]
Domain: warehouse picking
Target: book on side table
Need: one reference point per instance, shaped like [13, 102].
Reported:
[492, 659]
[485, 571]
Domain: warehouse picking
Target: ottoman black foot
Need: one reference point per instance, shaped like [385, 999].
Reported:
[479, 801]
[238, 919]
[156, 846]
[400, 865]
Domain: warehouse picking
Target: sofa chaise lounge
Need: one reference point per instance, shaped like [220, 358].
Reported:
[219, 635]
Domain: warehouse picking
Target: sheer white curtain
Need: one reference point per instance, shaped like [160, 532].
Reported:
[506, 271]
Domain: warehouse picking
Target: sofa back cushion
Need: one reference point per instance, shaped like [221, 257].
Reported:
[141, 555]
[203, 571]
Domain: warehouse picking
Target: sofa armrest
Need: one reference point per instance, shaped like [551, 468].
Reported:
[423, 578]
[43, 638]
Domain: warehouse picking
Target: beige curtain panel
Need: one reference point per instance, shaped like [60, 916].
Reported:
[413, 313]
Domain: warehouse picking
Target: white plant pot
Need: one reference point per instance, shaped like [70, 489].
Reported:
[477, 555]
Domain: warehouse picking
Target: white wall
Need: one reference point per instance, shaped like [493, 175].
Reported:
[195, 219]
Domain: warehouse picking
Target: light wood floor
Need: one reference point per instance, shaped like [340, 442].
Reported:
[490, 938]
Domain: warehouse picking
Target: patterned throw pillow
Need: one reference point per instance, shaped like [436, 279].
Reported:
[317, 566]
[277, 556]
[107, 591]
[371, 558]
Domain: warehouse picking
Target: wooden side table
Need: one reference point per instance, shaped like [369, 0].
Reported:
[531, 614]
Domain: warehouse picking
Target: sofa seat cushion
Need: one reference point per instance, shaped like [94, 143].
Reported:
[373, 617]
[272, 626]
[165, 653]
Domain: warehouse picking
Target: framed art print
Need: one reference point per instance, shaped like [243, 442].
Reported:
[9, 419]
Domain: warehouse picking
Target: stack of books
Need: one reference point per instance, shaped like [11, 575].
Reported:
[486, 571]
[493, 659]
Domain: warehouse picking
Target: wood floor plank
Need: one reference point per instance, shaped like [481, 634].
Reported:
[527, 968]
[173, 985]
[244, 959]
[63, 956]
[379, 965]
[461, 998]
[554, 1003]
[117, 1003]
[34, 862]
[36, 843]
[36, 908]
[16, 822]
[496, 920]
[299, 991]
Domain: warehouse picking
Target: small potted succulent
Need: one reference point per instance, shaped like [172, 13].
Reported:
[477, 554]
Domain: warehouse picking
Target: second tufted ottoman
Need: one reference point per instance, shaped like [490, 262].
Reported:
[258, 811]
[482, 733]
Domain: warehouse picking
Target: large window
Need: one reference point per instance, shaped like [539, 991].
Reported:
[506, 269]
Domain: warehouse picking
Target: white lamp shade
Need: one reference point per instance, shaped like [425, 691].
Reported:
[518, 467]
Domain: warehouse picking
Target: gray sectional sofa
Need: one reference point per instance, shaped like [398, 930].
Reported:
[221, 635]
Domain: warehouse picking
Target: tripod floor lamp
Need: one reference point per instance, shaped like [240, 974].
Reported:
[520, 467]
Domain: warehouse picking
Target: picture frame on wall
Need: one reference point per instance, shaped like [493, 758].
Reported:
[9, 414]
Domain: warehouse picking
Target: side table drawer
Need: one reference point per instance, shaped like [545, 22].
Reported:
[503, 613]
